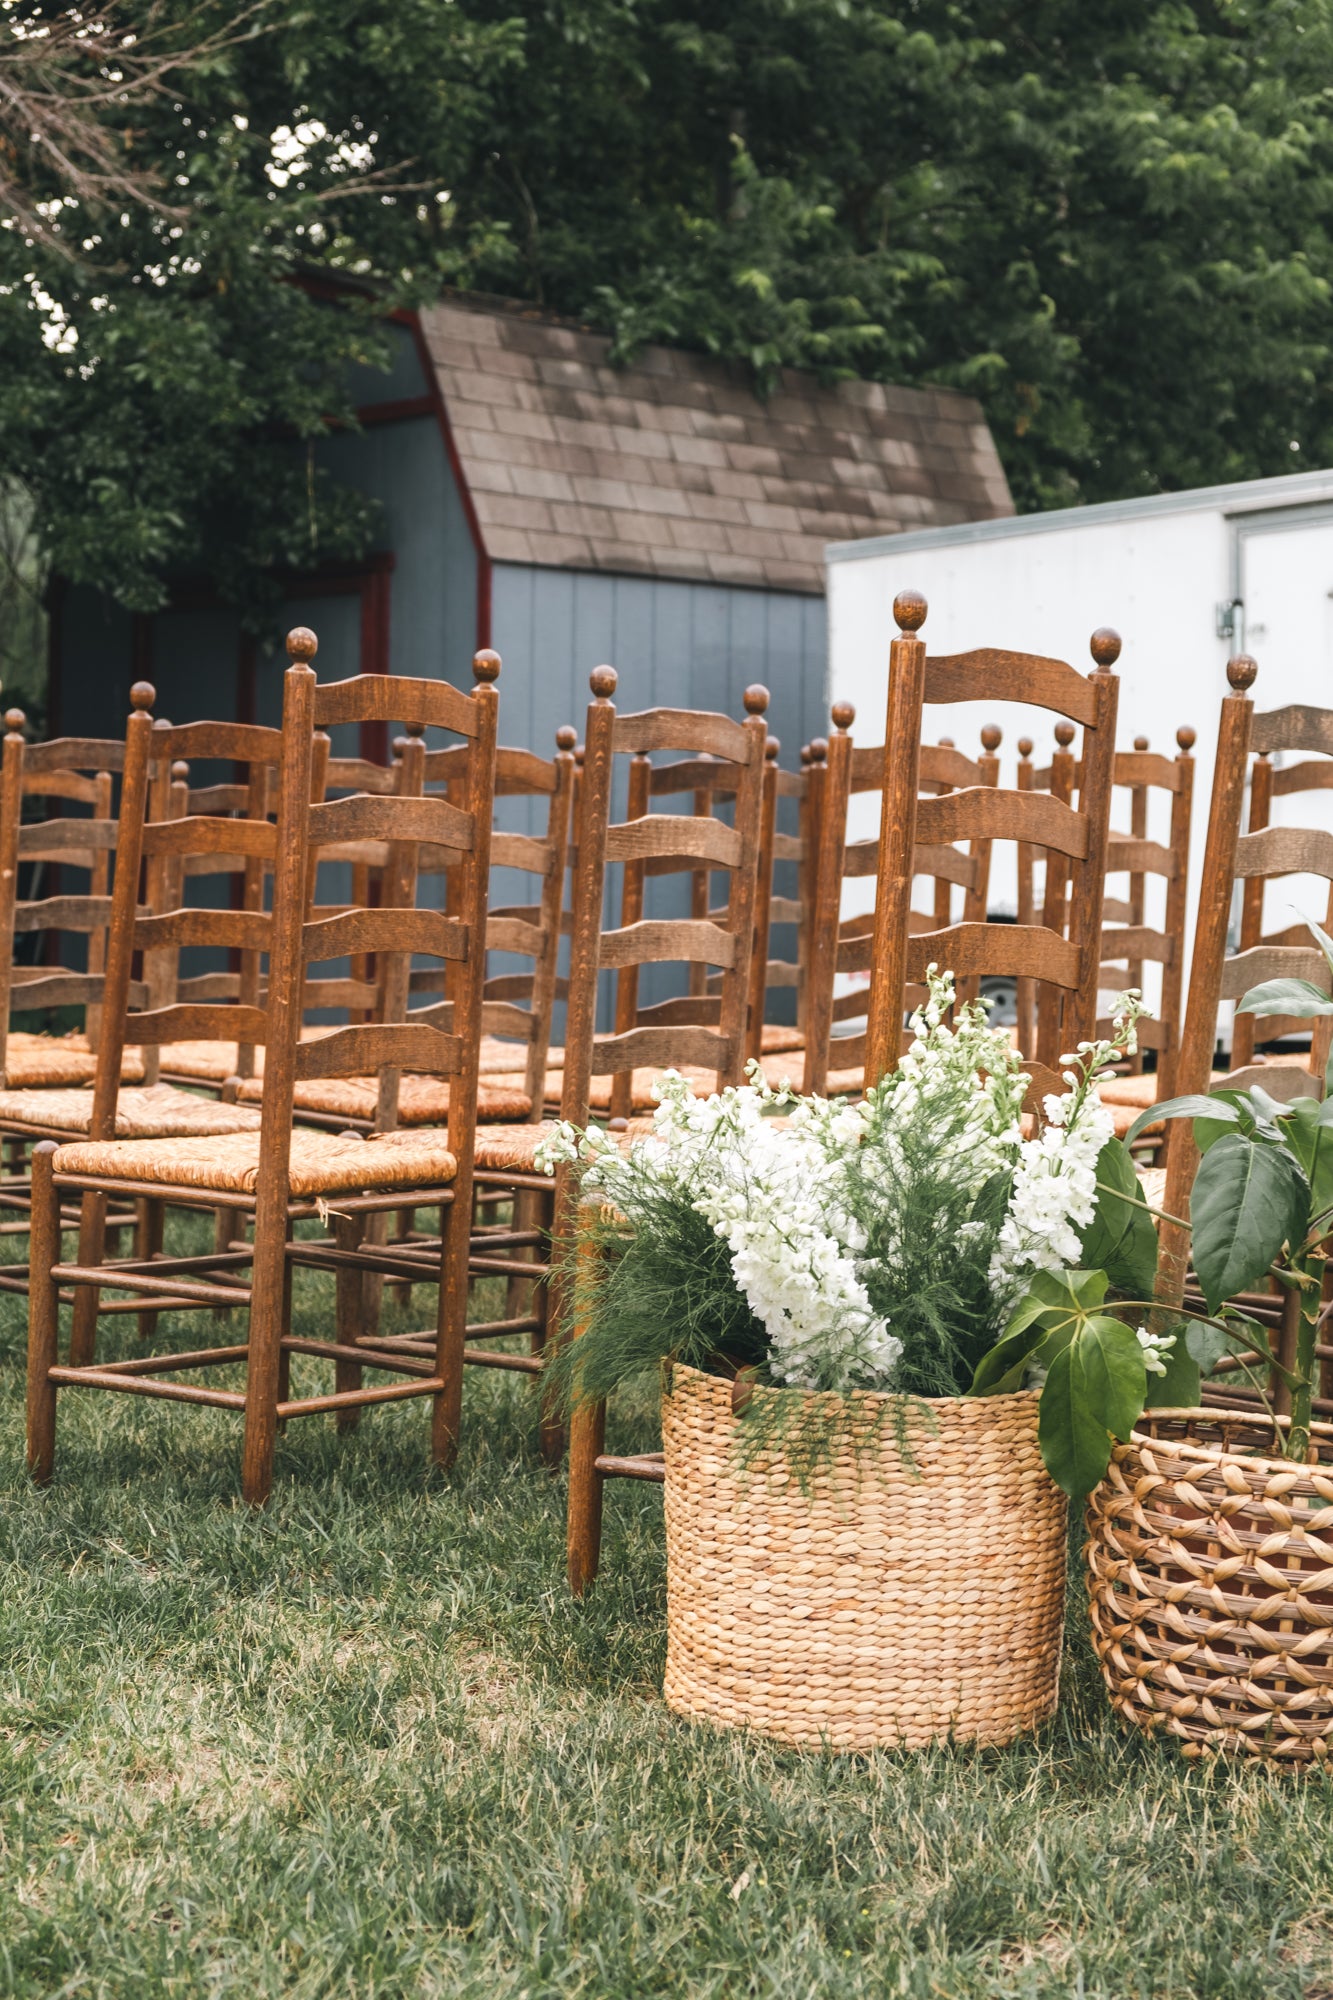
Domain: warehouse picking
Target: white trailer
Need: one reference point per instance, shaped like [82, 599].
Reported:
[1186, 579]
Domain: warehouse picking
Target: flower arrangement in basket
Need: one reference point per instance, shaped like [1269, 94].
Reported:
[1210, 1555]
[891, 1331]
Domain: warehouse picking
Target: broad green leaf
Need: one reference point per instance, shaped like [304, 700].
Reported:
[1286, 996]
[1043, 1322]
[1120, 1239]
[1107, 1363]
[1205, 1345]
[1001, 1371]
[1075, 1444]
[1195, 1106]
[1248, 1200]
[1322, 939]
[1207, 1132]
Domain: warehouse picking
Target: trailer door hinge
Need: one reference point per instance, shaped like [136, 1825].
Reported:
[1228, 622]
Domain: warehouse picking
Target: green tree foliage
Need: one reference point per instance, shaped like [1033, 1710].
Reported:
[1109, 219]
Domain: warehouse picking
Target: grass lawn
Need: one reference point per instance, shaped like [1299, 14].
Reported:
[365, 1745]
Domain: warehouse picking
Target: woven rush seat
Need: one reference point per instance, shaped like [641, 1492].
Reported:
[213, 1062]
[1136, 1091]
[701, 1081]
[321, 1162]
[36, 1062]
[422, 1100]
[513, 1148]
[153, 1111]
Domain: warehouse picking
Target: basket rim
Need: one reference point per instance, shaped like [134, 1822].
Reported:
[858, 1398]
[1213, 1454]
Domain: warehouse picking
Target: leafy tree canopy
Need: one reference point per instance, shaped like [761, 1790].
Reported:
[1109, 219]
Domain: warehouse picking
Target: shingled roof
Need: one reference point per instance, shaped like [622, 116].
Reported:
[673, 467]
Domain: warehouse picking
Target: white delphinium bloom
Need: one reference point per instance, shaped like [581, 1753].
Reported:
[1055, 1187]
[1156, 1347]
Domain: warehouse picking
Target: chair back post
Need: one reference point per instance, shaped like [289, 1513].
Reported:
[825, 916]
[1177, 896]
[743, 889]
[11, 814]
[474, 876]
[1026, 994]
[285, 989]
[763, 912]
[99, 884]
[1089, 882]
[594, 813]
[545, 971]
[637, 804]
[398, 891]
[811, 819]
[897, 838]
[1252, 899]
[1198, 1038]
[124, 902]
[164, 875]
[976, 897]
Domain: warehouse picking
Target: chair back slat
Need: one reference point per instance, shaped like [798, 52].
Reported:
[1293, 728]
[992, 674]
[663, 1048]
[396, 698]
[400, 1045]
[364, 817]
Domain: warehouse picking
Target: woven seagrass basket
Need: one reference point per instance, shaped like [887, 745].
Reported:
[892, 1603]
[1210, 1570]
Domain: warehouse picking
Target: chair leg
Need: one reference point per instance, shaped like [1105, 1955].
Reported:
[587, 1437]
[451, 1327]
[583, 1539]
[43, 1314]
[263, 1375]
[348, 1233]
[552, 1433]
[150, 1216]
[285, 1354]
[87, 1298]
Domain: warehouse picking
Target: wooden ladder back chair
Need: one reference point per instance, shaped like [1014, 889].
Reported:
[281, 1174]
[1128, 942]
[697, 1032]
[843, 945]
[712, 783]
[176, 792]
[910, 822]
[71, 771]
[1309, 733]
[1263, 854]
[517, 1006]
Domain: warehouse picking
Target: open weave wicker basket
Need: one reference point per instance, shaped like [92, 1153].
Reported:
[1210, 1569]
[892, 1604]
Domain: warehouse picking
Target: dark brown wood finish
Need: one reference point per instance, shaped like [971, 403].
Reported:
[715, 1038]
[385, 1048]
[898, 955]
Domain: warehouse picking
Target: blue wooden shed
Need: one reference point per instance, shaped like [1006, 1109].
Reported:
[537, 499]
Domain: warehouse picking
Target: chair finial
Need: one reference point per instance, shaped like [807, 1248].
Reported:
[1105, 647]
[1025, 746]
[486, 666]
[566, 736]
[142, 695]
[302, 644]
[1187, 737]
[772, 748]
[842, 715]
[14, 721]
[818, 749]
[1064, 734]
[1140, 743]
[991, 737]
[909, 610]
[755, 698]
[1241, 670]
[602, 681]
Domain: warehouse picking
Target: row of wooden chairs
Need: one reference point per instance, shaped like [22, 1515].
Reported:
[383, 1086]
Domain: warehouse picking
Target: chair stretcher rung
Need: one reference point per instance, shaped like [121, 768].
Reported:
[648, 1465]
